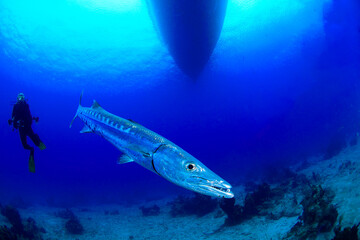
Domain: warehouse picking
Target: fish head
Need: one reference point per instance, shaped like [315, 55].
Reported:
[181, 168]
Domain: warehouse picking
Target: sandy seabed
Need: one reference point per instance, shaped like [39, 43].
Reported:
[341, 174]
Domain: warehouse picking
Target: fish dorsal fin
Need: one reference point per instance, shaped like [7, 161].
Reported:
[86, 129]
[124, 159]
[95, 105]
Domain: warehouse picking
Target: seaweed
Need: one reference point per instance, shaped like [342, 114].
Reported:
[150, 211]
[318, 210]
[347, 233]
[7, 234]
[199, 205]
[319, 215]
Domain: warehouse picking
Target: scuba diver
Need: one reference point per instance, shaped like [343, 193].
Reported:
[22, 120]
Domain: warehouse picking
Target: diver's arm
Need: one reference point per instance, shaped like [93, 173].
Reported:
[13, 114]
[13, 119]
[36, 119]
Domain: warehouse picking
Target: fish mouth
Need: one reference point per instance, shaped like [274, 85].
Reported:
[218, 191]
[215, 188]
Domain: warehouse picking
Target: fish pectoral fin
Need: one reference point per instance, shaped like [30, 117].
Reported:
[124, 159]
[86, 129]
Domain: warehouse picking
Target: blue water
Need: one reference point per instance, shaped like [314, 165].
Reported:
[281, 85]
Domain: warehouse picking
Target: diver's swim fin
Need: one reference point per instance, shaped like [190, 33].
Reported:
[42, 146]
[31, 163]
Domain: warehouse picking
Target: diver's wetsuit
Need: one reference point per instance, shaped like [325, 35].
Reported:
[22, 120]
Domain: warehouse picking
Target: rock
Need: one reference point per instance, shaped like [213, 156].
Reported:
[73, 226]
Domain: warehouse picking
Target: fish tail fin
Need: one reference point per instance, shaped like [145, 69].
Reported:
[76, 114]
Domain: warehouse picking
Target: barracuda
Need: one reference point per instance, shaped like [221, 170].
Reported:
[152, 151]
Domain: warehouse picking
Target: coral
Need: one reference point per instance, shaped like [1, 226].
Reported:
[346, 234]
[73, 226]
[150, 211]
[318, 214]
[7, 234]
[198, 205]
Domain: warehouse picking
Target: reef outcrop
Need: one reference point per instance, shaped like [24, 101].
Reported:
[252, 205]
[27, 230]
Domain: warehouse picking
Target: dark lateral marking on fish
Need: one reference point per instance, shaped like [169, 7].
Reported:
[133, 121]
[152, 158]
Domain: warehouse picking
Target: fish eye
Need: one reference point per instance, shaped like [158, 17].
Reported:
[190, 166]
